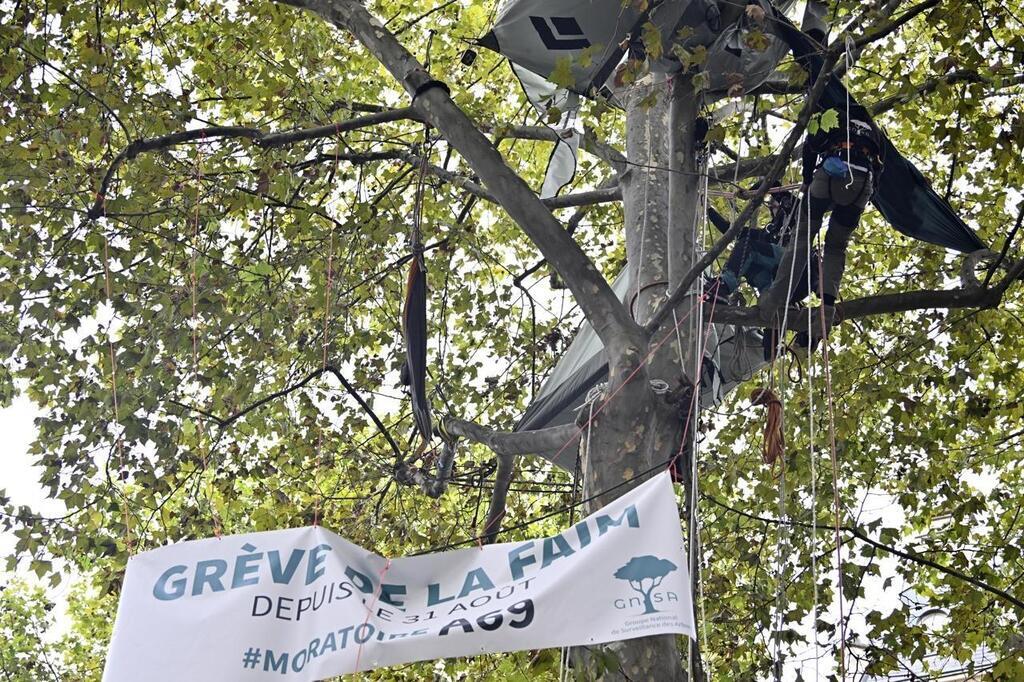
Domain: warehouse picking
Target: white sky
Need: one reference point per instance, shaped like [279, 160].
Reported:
[20, 478]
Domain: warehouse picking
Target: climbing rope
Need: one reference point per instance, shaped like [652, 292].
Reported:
[813, 464]
[848, 46]
[695, 545]
[774, 450]
[835, 473]
[640, 286]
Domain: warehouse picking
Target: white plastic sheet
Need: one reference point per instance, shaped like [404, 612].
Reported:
[305, 604]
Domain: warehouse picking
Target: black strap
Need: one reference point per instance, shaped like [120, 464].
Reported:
[432, 83]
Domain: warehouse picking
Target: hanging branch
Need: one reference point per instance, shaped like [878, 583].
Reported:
[499, 498]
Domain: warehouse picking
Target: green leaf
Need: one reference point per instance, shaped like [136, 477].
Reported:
[562, 74]
[829, 120]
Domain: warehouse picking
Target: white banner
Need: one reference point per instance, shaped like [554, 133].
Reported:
[305, 604]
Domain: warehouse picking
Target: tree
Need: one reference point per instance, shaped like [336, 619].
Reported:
[24, 618]
[206, 215]
[29, 651]
[641, 568]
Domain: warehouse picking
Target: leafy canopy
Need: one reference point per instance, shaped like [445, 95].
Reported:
[223, 257]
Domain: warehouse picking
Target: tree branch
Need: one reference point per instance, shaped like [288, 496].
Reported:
[431, 485]
[928, 86]
[260, 138]
[225, 422]
[512, 442]
[507, 445]
[588, 142]
[499, 497]
[861, 535]
[621, 336]
[963, 297]
[893, 25]
[602, 195]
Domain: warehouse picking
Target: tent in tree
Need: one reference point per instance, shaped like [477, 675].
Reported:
[904, 196]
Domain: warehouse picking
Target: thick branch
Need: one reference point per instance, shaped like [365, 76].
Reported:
[603, 310]
[965, 297]
[507, 445]
[260, 138]
[588, 141]
[602, 195]
[587, 198]
[512, 442]
[751, 166]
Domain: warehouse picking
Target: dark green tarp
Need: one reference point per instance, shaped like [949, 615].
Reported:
[904, 196]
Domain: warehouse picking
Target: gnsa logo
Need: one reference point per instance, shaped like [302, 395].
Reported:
[644, 574]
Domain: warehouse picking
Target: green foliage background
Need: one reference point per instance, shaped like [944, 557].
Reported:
[928, 409]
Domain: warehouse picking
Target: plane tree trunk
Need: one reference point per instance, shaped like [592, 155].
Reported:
[642, 428]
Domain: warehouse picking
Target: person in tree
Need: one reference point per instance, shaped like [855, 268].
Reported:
[840, 166]
[756, 255]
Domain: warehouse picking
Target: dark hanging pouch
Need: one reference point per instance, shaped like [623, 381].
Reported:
[414, 327]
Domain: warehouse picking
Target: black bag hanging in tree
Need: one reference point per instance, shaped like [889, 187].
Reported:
[414, 328]
[414, 315]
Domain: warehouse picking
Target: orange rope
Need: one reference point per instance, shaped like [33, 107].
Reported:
[773, 449]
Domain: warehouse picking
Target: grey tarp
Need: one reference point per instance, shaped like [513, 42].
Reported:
[732, 355]
[589, 36]
[744, 54]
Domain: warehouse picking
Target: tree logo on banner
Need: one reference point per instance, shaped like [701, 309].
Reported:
[644, 573]
[567, 34]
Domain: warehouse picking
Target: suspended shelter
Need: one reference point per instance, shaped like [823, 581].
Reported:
[731, 355]
[590, 38]
[593, 36]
